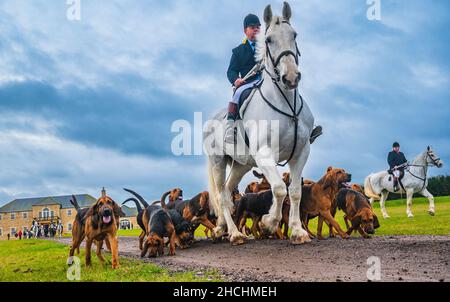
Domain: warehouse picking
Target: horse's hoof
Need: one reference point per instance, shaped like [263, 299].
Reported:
[299, 237]
[268, 224]
[410, 216]
[218, 232]
[432, 213]
[237, 239]
[386, 216]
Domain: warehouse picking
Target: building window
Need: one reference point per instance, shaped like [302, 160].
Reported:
[45, 213]
[69, 226]
[25, 215]
[1, 232]
[52, 214]
[13, 216]
[69, 212]
[0, 217]
[13, 231]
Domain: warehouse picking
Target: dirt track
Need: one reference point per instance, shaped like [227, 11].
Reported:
[403, 258]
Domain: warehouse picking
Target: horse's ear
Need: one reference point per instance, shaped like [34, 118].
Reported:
[268, 14]
[329, 169]
[429, 148]
[287, 12]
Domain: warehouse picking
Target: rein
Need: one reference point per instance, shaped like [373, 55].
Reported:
[294, 114]
[425, 170]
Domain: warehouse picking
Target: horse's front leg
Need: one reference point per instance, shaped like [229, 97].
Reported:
[409, 197]
[427, 194]
[236, 175]
[299, 235]
[384, 196]
[266, 163]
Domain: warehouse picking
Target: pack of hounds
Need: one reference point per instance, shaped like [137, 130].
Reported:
[173, 223]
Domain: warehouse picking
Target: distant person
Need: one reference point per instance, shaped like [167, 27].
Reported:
[397, 161]
[20, 234]
[9, 236]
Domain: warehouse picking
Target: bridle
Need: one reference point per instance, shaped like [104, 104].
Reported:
[434, 163]
[295, 113]
[276, 62]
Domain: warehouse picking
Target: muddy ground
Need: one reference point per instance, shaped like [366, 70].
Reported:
[403, 258]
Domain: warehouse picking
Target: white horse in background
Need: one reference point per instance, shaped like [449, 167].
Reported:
[378, 186]
[277, 100]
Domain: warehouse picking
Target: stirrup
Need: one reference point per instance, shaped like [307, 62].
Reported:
[318, 131]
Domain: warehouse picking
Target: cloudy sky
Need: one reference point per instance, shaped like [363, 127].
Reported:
[90, 103]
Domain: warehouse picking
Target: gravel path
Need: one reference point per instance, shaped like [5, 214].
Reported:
[403, 258]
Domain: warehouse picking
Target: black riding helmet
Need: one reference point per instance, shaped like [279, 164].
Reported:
[396, 145]
[251, 20]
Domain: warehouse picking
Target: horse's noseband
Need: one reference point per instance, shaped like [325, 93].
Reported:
[286, 53]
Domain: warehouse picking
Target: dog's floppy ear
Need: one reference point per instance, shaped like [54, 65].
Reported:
[118, 212]
[356, 221]
[95, 217]
[376, 223]
[204, 200]
[329, 181]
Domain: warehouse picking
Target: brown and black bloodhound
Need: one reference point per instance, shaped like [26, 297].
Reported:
[319, 199]
[358, 211]
[97, 224]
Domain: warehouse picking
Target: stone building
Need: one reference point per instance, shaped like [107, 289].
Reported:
[19, 213]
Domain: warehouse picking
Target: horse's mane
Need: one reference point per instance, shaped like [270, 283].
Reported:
[260, 51]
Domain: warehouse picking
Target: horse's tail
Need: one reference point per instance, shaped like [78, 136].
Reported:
[368, 189]
[138, 205]
[213, 189]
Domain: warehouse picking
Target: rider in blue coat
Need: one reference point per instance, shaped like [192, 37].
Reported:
[396, 161]
[241, 63]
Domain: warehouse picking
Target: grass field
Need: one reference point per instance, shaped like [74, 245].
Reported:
[45, 261]
[398, 224]
[40, 260]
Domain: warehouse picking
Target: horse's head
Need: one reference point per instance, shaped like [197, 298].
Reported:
[281, 47]
[433, 158]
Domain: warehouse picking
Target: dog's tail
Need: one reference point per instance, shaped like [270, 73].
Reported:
[138, 205]
[368, 189]
[139, 197]
[75, 204]
[213, 191]
[163, 200]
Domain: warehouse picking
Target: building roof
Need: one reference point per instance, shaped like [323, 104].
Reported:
[129, 212]
[26, 204]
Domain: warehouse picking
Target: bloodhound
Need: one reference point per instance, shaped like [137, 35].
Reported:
[97, 224]
[318, 199]
[158, 225]
[358, 211]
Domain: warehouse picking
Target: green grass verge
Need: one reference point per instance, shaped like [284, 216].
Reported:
[45, 261]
